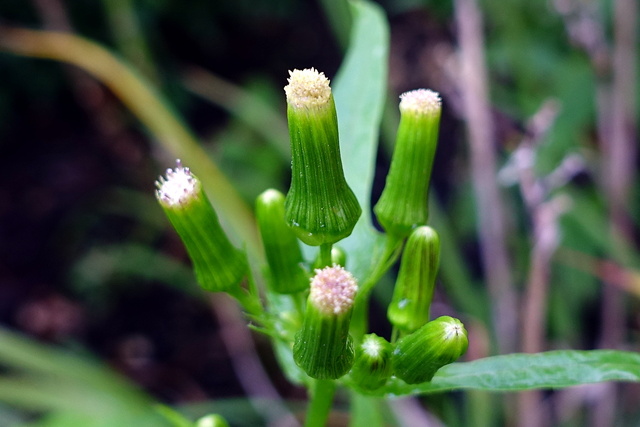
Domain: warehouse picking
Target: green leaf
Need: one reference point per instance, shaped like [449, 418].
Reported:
[359, 92]
[43, 378]
[513, 372]
[174, 417]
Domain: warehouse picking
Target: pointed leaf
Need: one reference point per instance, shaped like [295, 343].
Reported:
[553, 369]
[359, 91]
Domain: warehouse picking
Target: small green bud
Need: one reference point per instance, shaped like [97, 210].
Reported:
[213, 420]
[320, 206]
[372, 366]
[412, 295]
[218, 265]
[418, 356]
[284, 257]
[323, 347]
[338, 257]
[403, 203]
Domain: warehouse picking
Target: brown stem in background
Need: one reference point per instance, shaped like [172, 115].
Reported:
[544, 213]
[616, 131]
[491, 222]
[618, 146]
[617, 136]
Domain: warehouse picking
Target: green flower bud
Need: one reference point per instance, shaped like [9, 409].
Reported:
[284, 257]
[218, 265]
[403, 203]
[320, 206]
[372, 366]
[213, 420]
[323, 347]
[418, 356]
[412, 295]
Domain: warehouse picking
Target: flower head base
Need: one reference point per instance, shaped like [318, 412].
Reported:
[323, 347]
[307, 89]
[320, 207]
[403, 203]
[333, 290]
[178, 187]
[218, 265]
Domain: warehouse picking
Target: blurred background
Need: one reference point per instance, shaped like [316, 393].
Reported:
[534, 191]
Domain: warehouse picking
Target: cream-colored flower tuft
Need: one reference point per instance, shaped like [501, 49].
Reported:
[452, 329]
[371, 346]
[178, 187]
[421, 101]
[307, 88]
[333, 290]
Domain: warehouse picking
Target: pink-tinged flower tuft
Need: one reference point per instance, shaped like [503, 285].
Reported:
[333, 290]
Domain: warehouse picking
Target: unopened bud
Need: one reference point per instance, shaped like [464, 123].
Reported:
[284, 257]
[419, 355]
[213, 420]
[412, 295]
[372, 366]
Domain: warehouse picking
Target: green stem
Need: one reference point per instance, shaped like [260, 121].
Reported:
[299, 301]
[249, 300]
[395, 333]
[366, 411]
[320, 405]
[325, 254]
[359, 321]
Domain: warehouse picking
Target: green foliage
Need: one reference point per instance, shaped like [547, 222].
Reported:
[549, 370]
[75, 388]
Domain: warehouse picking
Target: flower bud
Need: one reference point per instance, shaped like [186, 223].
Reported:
[403, 203]
[419, 355]
[338, 257]
[218, 265]
[320, 206]
[323, 347]
[213, 420]
[412, 295]
[372, 365]
[284, 257]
